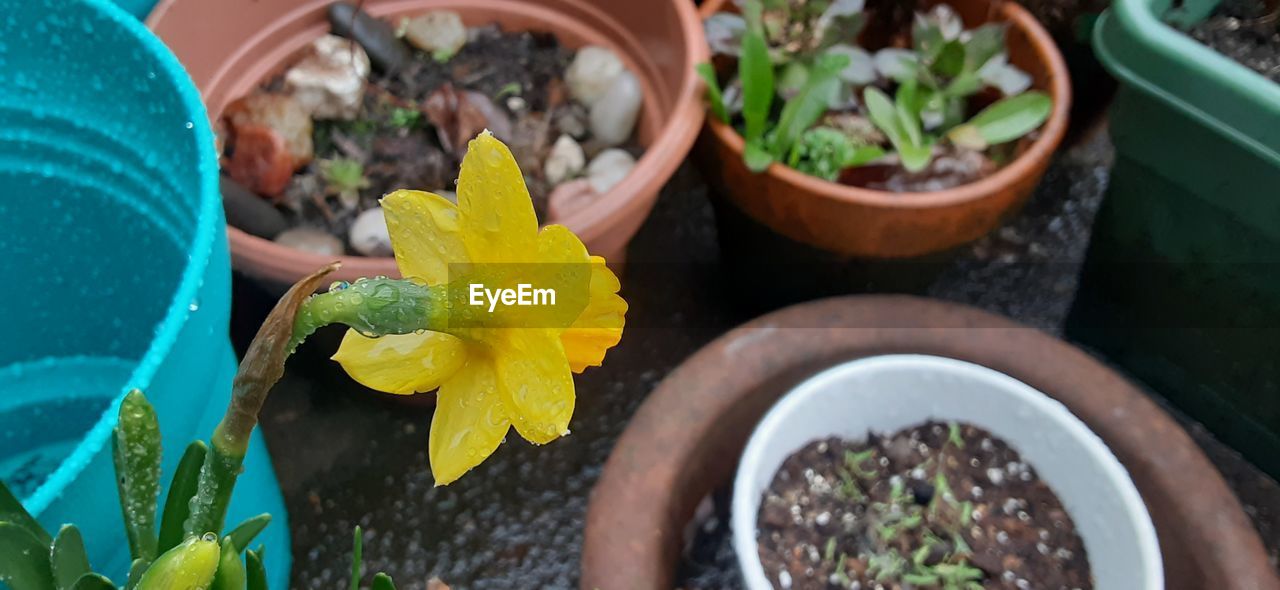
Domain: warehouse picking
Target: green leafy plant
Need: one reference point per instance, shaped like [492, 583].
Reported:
[182, 544]
[345, 178]
[404, 118]
[804, 52]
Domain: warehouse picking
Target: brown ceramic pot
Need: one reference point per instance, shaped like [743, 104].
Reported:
[865, 223]
[685, 440]
[230, 46]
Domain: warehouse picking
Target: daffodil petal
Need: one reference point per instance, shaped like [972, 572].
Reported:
[599, 326]
[470, 420]
[497, 218]
[401, 364]
[536, 383]
[426, 234]
[558, 245]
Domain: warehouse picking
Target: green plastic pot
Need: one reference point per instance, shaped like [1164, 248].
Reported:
[1181, 284]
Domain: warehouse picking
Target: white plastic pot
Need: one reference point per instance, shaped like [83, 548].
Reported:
[885, 394]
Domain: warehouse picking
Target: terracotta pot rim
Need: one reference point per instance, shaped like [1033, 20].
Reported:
[266, 259]
[1052, 132]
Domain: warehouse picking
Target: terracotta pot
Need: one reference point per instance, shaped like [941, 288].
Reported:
[230, 46]
[684, 441]
[866, 223]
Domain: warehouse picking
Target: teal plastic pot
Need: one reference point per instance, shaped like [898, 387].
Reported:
[1181, 284]
[116, 264]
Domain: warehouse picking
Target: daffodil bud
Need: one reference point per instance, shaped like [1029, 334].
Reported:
[231, 573]
[189, 566]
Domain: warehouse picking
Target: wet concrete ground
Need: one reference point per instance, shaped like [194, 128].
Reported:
[348, 456]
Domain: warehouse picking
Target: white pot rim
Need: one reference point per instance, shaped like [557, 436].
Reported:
[794, 410]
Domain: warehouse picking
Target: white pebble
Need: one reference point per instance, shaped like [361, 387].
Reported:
[329, 80]
[613, 117]
[784, 579]
[310, 240]
[995, 475]
[439, 32]
[564, 161]
[608, 169]
[369, 234]
[591, 73]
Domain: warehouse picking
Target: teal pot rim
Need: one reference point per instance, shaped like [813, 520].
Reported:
[208, 221]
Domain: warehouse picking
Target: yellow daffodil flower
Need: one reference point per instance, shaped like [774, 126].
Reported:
[489, 378]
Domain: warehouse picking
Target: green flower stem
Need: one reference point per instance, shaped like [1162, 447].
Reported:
[262, 366]
[374, 307]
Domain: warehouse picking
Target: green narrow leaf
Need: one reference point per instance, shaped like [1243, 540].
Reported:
[756, 157]
[177, 505]
[136, 569]
[245, 533]
[357, 557]
[382, 581]
[984, 43]
[231, 573]
[907, 105]
[68, 559]
[950, 60]
[11, 510]
[1013, 117]
[136, 447]
[807, 106]
[24, 560]
[92, 581]
[255, 572]
[714, 96]
[864, 154]
[755, 71]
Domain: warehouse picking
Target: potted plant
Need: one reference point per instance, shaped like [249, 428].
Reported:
[667, 481]
[111, 214]
[233, 50]
[1175, 286]
[923, 470]
[866, 136]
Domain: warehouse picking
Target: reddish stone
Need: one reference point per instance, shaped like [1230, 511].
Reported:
[260, 160]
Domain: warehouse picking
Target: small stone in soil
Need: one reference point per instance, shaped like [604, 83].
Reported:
[614, 115]
[282, 114]
[608, 169]
[311, 240]
[329, 79]
[591, 73]
[569, 198]
[260, 160]
[369, 234]
[387, 53]
[250, 212]
[564, 161]
[439, 33]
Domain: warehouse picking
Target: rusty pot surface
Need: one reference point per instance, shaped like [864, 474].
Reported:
[685, 440]
[230, 46]
[868, 223]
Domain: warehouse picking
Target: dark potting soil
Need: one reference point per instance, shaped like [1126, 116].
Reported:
[1247, 31]
[413, 126]
[932, 506]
